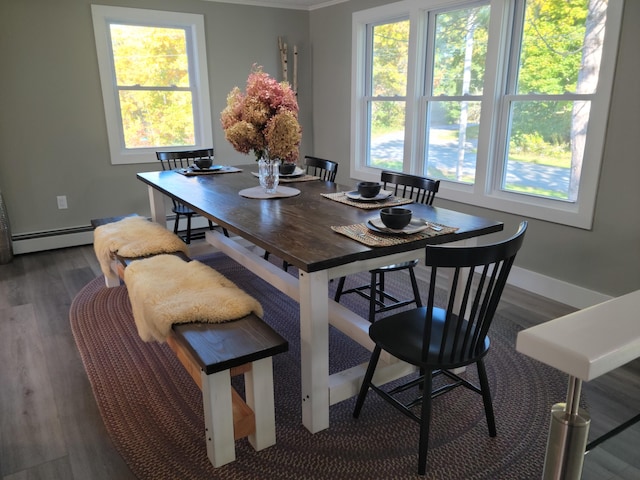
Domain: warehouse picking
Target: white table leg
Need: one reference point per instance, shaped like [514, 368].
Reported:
[258, 386]
[314, 349]
[218, 420]
[158, 210]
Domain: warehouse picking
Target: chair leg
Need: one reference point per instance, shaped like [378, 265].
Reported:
[381, 287]
[285, 265]
[338, 293]
[425, 421]
[372, 296]
[210, 225]
[266, 255]
[188, 240]
[366, 381]
[176, 224]
[414, 286]
[486, 398]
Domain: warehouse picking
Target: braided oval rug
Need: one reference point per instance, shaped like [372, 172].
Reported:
[153, 410]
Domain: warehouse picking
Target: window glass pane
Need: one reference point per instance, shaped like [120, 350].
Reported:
[460, 51]
[452, 133]
[390, 59]
[544, 138]
[157, 118]
[150, 56]
[561, 47]
[386, 137]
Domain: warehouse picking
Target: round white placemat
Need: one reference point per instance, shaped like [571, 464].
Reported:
[258, 192]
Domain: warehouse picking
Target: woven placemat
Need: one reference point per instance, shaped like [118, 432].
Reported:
[190, 171]
[388, 202]
[360, 233]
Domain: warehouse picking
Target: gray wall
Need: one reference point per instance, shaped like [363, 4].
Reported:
[605, 259]
[53, 138]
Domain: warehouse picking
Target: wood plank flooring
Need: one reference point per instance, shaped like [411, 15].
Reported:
[50, 425]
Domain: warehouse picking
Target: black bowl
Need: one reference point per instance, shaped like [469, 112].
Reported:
[287, 168]
[203, 163]
[369, 189]
[395, 218]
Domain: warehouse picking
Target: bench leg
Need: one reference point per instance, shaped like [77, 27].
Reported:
[218, 420]
[259, 397]
[112, 280]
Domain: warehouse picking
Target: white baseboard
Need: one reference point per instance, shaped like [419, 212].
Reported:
[537, 283]
[555, 289]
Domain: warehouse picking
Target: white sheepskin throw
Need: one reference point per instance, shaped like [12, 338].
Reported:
[165, 289]
[133, 237]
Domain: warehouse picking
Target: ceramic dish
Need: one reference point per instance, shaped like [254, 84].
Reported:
[354, 195]
[212, 168]
[296, 173]
[415, 225]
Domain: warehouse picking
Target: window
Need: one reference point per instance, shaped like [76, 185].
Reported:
[154, 81]
[504, 101]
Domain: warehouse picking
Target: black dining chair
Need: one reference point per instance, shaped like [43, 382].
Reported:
[421, 190]
[320, 167]
[326, 170]
[437, 339]
[183, 159]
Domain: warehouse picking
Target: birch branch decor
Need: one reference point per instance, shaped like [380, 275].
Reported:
[283, 58]
[295, 69]
[282, 46]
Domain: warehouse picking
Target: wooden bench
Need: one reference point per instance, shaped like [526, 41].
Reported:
[214, 352]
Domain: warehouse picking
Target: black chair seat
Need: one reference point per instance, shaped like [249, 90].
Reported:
[183, 210]
[397, 266]
[401, 335]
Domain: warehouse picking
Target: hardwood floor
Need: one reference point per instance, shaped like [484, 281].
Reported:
[50, 425]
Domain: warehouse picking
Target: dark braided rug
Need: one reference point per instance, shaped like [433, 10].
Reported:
[153, 410]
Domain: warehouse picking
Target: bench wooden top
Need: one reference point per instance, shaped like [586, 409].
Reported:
[221, 346]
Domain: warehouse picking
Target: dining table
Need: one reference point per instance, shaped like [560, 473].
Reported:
[326, 232]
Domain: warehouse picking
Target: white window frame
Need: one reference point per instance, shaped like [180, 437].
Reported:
[103, 16]
[485, 192]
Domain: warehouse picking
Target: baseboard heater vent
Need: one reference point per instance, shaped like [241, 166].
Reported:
[51, 233]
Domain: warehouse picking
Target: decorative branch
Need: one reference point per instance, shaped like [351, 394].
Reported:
[295, 69]
[283, 58]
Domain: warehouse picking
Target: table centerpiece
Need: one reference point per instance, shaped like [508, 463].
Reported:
[264, 119]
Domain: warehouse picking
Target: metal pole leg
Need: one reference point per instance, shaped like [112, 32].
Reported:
[567, 439]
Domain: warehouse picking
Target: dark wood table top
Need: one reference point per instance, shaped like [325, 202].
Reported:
[297, 229]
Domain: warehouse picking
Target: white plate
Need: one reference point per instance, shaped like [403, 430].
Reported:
[296, 173]
[415, 225]
[354, 195]
[212, 168]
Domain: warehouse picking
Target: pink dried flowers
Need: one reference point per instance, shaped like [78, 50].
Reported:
[263, 119]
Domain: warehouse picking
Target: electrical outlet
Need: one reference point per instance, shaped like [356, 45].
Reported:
[62, 202]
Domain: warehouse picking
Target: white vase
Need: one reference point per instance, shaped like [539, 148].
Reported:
[269, 174]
